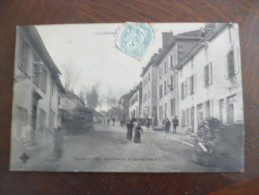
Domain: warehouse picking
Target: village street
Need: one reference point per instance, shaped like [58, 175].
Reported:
[107, 149]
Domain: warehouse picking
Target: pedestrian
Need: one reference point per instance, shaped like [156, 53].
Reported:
[147, 122]
[137, 134]
[108, 121]
[121, 123]
[130, 126]
[58, 143]
[113, 121]
[134, 119]
[175, 124]
[167, 125]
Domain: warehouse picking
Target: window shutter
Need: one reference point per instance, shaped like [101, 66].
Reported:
[236, 60]
[190, 85]
[185, 88]
[194, 83]
[182, 90]
[210, 73]
[204, 76]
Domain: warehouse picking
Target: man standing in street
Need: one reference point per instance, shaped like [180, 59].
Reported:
[175, 124]
[113, 121]
[108, 121]
[130, 126]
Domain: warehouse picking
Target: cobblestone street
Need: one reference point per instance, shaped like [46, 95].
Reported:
[107, 149]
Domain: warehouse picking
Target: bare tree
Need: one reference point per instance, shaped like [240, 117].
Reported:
[90, 96]
[70, 74]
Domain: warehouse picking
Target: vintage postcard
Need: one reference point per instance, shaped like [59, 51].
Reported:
[131, 97]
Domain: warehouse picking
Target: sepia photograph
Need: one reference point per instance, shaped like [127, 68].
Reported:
[128, 97]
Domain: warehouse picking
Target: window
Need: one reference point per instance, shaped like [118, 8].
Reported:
[182, 90]
[52, 88]
[160, 74]
[191, 85]
[208, 75]
[42, 118]
[200, 113]
[186, 87]
[187, 117]
[165, 67]
[192, 117]
[160, 91]
[165, 110]
[230, 109]
[24, 52]
[165, 87]
[172, 60]
[149, 94]
[207, 109]
[149, 77]
[43, 80]
[183, 118]
[172, 107]
[221, 108]
[230, 64]
[172, 82]
[36, 74]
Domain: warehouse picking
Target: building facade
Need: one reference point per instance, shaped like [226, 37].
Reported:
[167, 101]
[149, 90]
[136, 102]
[174, 48]
[210, 80]
[37, 87]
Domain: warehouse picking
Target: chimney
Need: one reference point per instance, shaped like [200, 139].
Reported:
[166, 37]
[209, 27]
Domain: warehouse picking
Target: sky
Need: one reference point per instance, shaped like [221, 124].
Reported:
[90, 52]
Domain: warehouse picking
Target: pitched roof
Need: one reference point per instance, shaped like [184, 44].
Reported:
[151, 62]
[71, 95]
[38, 44]
[208, 37]
[156, 58]
[195, 34]
[125, 98]
[138, 87]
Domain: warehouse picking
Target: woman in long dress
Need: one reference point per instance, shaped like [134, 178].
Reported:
[137, 134]
[130, 126]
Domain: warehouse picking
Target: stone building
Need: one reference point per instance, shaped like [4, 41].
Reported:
[210, 79]
[136, 102]
[174, 48]
[37, 87]
[149, 90]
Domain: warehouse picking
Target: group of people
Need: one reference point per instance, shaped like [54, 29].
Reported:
[133, 124]
[167, 124]
[111, 119]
